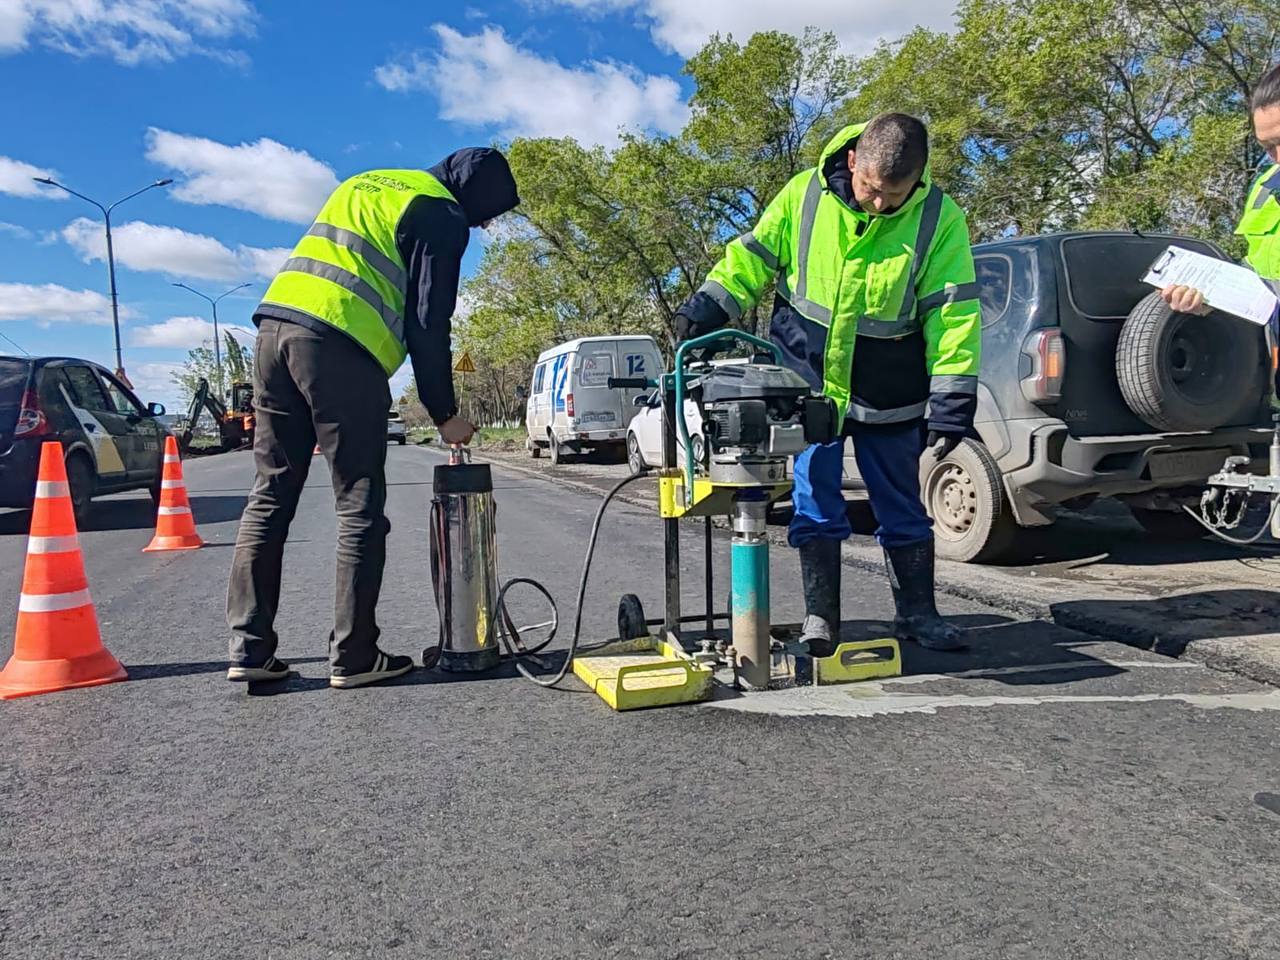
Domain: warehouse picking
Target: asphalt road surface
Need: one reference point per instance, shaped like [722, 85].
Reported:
[1043, 795]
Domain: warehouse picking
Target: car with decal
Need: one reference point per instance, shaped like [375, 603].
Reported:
[571, 408]
[112, 442]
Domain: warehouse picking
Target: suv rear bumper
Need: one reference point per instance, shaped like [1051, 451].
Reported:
[1060, 467]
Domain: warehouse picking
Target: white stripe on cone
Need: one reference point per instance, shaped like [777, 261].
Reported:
[52, 488]
[173, 511]
[172, 459]
[53, 544]
[172, 485]
[53, 602]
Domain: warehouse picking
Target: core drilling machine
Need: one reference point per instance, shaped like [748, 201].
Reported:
[756, 414]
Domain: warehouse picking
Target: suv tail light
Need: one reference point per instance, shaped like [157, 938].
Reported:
[568, 405]
[31, 419]
[1048, 354]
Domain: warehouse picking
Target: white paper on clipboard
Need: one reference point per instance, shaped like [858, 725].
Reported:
[1225, 286]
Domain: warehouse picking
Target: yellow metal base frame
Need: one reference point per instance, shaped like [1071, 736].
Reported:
[648, 672]
[709, 499]
[859, 660]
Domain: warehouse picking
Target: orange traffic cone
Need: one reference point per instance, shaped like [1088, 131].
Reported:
[57, 645]
[175, 527]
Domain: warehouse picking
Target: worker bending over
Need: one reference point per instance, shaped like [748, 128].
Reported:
[374, 279]
[877, 308]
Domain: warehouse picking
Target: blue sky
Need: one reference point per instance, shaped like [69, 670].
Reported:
[256, 109]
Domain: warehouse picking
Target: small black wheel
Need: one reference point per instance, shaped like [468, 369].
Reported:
[631, 625]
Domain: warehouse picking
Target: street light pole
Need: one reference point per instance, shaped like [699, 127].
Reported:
[111, 259]
[217, 345]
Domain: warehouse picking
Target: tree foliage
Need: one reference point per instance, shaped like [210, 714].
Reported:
[201, 364]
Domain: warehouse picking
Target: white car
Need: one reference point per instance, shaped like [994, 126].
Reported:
[395, 428]
[644, 434]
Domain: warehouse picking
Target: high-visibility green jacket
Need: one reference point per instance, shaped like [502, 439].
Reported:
[1260, 225]
[878, 312]
[347, 270]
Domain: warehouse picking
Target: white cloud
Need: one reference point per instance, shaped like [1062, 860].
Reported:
[184, 333]
[154, 381]
[128, 31]
[148, 247]
[49, 303]
[15, 230]
[525, 95]
[684, 26]
[263, 177]
[18, 179]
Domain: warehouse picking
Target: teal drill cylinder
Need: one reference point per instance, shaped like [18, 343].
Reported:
[749, 571]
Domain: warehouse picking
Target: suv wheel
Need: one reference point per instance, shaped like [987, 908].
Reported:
[1181, 372]
[963, 493]
[81, 480]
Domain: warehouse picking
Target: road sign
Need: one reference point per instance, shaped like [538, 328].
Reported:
[464, 364]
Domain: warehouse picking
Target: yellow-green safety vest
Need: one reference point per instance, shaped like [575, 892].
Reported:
[1260, 225]
[347, 270]
[858, 275]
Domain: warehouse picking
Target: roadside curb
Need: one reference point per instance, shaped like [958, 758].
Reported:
[1160, 625]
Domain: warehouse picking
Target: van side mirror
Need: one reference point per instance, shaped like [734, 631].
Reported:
[155, 409]
[640, 401]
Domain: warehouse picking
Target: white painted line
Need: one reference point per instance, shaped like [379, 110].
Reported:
[47, 489]
[173, 511]
[53, 602]
[869, 699]
[53, 544]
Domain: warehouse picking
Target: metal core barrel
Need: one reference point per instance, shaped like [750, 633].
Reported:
[465, 566]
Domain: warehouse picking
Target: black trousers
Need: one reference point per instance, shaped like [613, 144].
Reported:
[313, 388]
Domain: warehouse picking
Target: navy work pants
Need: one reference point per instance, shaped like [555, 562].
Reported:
[888, 458]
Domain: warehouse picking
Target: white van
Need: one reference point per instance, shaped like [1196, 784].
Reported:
[571, 408]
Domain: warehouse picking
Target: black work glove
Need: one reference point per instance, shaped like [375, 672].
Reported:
[942, 444]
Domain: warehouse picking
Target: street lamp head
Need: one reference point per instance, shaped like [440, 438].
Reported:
[45, 180]
[163, 183]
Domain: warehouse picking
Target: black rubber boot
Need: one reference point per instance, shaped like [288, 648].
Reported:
[911, 577]
[820, 575]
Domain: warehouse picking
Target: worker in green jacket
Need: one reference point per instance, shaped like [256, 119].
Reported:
[877, 308]
[1260, 223]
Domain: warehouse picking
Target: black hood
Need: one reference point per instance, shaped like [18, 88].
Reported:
[480, 180]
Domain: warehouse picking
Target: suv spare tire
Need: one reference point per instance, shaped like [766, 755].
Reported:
[1183, 372]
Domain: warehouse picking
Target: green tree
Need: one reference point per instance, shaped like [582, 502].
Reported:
[201, 364]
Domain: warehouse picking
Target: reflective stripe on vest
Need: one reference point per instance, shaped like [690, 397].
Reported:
[347, 271]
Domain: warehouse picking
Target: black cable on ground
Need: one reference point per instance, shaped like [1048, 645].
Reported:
[510, 636]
